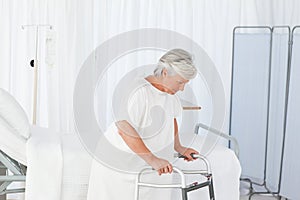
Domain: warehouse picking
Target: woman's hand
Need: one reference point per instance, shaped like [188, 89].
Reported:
[187, 152]
[162, 166]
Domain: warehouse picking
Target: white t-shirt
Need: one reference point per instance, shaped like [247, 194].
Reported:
[151, 112]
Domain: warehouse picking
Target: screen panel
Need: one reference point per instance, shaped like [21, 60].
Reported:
[291, 163]
[249, 102]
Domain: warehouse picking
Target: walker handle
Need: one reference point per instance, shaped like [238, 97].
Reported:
[194, 155]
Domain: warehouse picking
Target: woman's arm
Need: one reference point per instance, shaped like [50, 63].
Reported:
[181, 149]
[136, 144]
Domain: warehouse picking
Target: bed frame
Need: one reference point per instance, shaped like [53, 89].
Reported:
[18, 174]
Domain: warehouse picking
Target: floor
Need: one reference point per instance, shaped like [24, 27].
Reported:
[255, 197]
[244, 192]
[258, 197]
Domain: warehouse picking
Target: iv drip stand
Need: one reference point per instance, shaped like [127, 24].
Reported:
[34, 63]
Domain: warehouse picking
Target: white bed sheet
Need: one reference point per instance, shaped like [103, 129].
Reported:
[66, 159]
[12, 145]
[71, 164]
[76, 170]
[58, 167]
[44, 165]
[226, 171]
[225, 168]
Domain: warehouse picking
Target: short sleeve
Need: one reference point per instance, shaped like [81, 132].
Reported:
[177, 106]
[136, 109]
[128, 104]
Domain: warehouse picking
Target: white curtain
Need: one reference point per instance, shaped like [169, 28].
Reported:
[78, 27]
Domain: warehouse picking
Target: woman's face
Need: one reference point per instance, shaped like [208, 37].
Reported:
[174, 83]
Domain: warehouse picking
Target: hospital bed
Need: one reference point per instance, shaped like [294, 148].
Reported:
[58, 167]
[48, 175]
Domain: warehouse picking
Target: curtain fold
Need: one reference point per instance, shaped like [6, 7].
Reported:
[80, 26]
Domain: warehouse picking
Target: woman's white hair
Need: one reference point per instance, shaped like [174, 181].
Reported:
[177, 61]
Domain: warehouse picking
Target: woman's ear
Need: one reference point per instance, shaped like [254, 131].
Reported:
[164, 72]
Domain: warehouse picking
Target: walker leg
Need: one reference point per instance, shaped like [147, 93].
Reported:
[211, 190]
[184, 194]
[136, 195]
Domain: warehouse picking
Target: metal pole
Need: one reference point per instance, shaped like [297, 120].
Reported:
[35, 76]
[288, 76]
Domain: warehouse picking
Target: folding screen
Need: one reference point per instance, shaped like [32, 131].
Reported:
[258, 102]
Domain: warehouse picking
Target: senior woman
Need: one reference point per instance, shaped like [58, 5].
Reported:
[174, 69]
